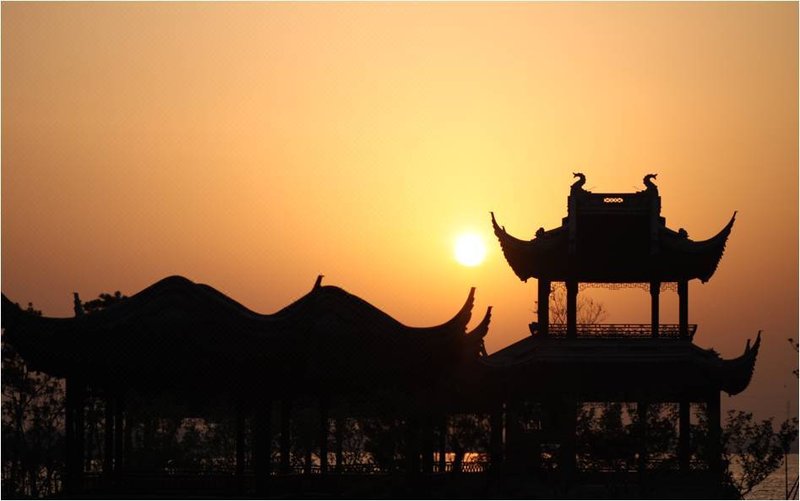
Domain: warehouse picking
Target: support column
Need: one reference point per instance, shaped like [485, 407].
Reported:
[515, 449]
[128, 437]
[572, 309]
[413, 446]
[684, 451]
[714, 436]
[427, 445]
[569, 413]
[443, 445]
[74, 436]
[496, 438]
[683, 309]
[543, 303]
[308, 444]
[262, 446]
[641, 416]
[323, 435]
[240, 444]
[69, 438]
[286, 430]
[119, 425]
[80, 434]
[338, 438]
[108, 435]
[655, 289]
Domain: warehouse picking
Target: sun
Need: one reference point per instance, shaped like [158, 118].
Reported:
[470, 249]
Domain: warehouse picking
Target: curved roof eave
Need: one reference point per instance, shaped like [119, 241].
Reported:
[523, 255]
[480, 330]
[703, 256]
[736, 373]
[458, 323]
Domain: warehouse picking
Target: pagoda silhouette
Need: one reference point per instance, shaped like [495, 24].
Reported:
[620, 239]
[337, 357]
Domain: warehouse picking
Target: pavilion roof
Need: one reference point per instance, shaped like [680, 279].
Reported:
[183, 334]
[613, 238]
[658, 367]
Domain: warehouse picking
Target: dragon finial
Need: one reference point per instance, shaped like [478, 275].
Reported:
[578, 185]
[648, 181]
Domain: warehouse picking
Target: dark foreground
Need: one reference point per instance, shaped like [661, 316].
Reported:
[400, 486]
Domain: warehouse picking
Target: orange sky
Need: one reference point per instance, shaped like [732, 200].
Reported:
[253, 146]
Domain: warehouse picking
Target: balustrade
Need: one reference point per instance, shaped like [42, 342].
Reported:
[616, 331]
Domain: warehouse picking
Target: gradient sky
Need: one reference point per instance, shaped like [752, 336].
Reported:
[254, 146]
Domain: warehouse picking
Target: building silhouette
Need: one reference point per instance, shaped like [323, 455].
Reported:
[332, 355]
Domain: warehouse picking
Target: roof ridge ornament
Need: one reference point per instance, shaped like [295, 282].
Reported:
[649, 183]
[578, 185]
[318, 283]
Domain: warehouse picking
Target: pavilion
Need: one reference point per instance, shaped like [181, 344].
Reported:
[615, 239]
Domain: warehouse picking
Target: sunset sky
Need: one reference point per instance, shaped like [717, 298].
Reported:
[254, 146]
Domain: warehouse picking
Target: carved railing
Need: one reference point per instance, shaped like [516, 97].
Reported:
[617, 331]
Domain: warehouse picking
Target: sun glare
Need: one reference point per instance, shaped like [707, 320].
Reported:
[470, 249]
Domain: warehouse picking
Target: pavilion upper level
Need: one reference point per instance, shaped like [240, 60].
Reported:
[613, 238]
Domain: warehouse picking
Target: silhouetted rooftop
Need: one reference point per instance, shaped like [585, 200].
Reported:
[613, 238]
[622, 365]
[177, 333]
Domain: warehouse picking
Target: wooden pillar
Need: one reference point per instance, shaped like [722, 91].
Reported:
[714, 436]
[74, 436]
[307, 436]
[496, 438]
[338, 438]
[655, 289]
[108, 435]
[128, 437]
[413, 446]
[323, 435]
[119, 425]
[262, 446]
[572, 309]
[641, 416]
[543, 303]
[69, 437]
[684, 451]
[240, 443]
[442, 445]
[80, 434]
[569, 416]
[427, 444]
[286, 430]
[514, 450]
[683, 309]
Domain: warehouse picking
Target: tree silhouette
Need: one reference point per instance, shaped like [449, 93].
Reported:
[589, 311]
[103, 301]
[33, 422]
[32, 428]
[755, 447]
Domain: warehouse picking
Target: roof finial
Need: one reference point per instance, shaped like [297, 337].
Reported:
[578, 185]
[649, 183]
[318, 283]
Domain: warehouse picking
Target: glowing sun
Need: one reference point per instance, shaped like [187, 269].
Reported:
[470, 249]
